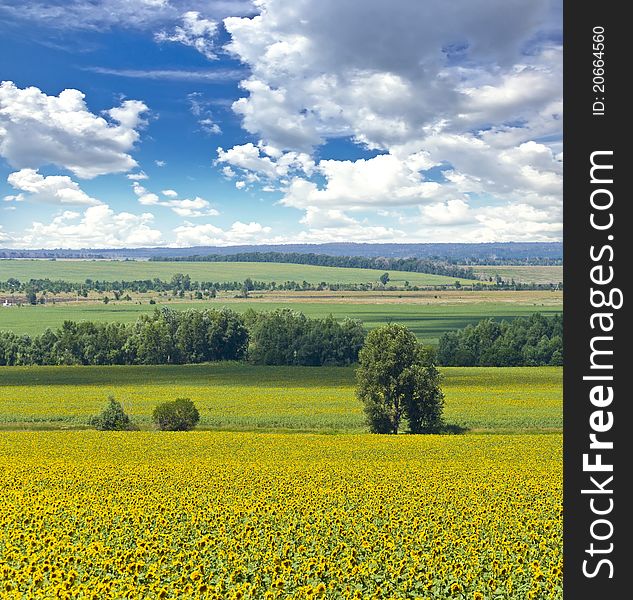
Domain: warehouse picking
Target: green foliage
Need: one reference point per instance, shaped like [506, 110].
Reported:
[179, 415]
[163, 337]
[533, 341]
[384, 278]
[397, 379]
[112, 418]
[288, 337]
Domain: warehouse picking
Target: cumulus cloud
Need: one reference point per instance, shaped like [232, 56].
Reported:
[53, 189]
[37, 129]
[384, 180]
[320, 71]
[468, 89]
[452, 212]
[263, 161]
[97, 226]
[198, 207]
[191, 234]
[194, 31]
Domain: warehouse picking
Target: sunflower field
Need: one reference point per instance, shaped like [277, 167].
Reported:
[268, 516]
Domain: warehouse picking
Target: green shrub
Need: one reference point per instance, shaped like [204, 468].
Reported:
[112, 418]
[179, 415]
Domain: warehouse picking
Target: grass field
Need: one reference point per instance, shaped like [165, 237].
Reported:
[428, 321]
[523, 274]
[112, 270]
[265, 516]
[236, 396]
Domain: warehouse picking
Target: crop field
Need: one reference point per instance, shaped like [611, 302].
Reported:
[523, 274]
[237, 396]
[262, 516]
[428, 321]
[113, 270]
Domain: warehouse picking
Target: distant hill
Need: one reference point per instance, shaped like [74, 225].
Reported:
[491, 253]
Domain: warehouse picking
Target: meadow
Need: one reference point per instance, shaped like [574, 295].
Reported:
[543, 274]
[238, 396]
[112, 270]
[268, 516]
[427, 316]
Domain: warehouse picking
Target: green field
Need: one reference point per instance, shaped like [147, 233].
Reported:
[427, 321]
[238, 396]
[523, 274]
[112, 270]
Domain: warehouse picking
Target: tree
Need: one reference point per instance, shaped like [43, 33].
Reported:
[397, 379]
[384, 278]
[112, 418]
[179, 415]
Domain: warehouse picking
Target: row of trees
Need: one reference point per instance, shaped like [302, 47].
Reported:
[34, 290]
[531, 341]
[282, 337]
[416, 265]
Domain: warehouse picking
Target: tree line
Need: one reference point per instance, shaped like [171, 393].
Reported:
[280, 337]
[416, 265]
[529, 341]
[34, 290]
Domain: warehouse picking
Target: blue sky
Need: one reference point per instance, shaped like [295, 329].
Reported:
[188, 122]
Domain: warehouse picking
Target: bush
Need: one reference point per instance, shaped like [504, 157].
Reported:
[112, 418]
[179, 415]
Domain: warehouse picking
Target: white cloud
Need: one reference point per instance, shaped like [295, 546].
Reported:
[471, 87]
[130, 14]
[358, 232]
[160, 163]
[144, 197]
[198, 207]
[264, 161]
[53, 189]
[140, 176]
[384, 180]
[452, 212]
[191, 234]
[204, 75]
[98, 226]
[37, 129]
[320, 71]
[195, 31]
[199, 107]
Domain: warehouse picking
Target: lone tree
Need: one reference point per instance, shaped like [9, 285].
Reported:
[179, 415]
[397, 379]
[384, 278]
[112, 418]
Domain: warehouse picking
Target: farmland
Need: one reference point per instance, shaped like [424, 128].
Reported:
[280, 492]
[257, 516]
[523, 274]
[111, 270]
[427, 315]
[236, 396]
